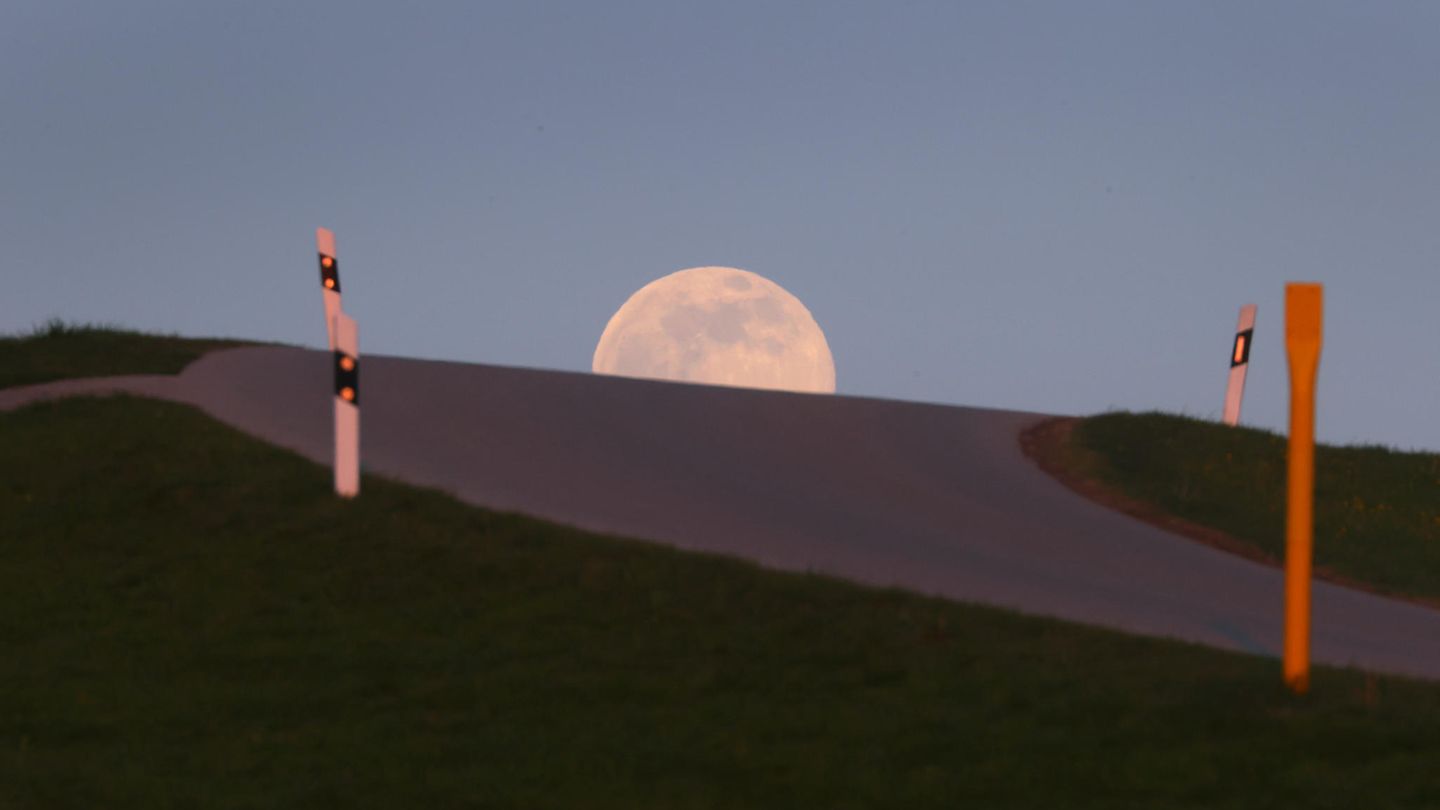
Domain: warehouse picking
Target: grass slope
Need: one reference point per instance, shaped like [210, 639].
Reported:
[1377, 511]
[190, 619]
[60, 351]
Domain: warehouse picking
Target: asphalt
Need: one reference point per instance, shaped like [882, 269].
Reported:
[935, 499]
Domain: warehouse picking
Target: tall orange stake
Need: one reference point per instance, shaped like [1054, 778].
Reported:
[1304, 304]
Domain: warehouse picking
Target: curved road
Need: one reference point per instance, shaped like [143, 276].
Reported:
[932, 498]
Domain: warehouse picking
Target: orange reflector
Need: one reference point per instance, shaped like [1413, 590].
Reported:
[326, 262]
[347, 393]
[329, 283]
[1239, 349]
[347, 364]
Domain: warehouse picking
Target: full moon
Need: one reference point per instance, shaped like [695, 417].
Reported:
[719, 326]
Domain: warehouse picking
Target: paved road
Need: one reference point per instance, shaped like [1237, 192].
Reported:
[935, 499]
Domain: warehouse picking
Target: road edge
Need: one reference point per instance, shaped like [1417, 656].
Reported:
[1048, 445]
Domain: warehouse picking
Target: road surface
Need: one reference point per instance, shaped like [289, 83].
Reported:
[932, 498]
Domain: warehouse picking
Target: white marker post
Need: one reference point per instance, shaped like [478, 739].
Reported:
[1239, 362]
[347, 406]
[329, 279]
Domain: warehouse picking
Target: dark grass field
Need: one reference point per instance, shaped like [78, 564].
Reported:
[1377, 511]
[59, 350]
[190, 619]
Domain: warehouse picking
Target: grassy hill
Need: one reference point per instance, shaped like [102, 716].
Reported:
[59, 350]
[1377, 511]
[189, 618]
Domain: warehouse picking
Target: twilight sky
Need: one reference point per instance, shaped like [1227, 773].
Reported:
[1051, 206]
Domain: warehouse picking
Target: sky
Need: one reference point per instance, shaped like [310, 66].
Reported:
[1047, 206]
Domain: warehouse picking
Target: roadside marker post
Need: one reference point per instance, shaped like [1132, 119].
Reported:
[1304, 305]
[347, 406]
[329, 279]
[1239, 363]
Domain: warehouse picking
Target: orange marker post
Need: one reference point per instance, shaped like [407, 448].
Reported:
[1304, 304]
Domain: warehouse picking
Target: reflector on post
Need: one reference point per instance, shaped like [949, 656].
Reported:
[1304, 304]
[347, 406]
[329, 279]
[1239, 363]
